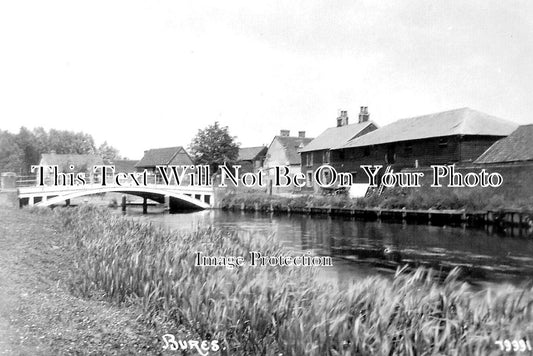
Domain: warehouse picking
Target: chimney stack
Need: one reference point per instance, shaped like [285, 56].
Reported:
[284, 133]
[342, 120]
[363, 114]
[301, 134]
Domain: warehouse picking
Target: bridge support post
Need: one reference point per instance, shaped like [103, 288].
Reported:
[123, 203]
[167, 202]
[67, 202]
[145, 205]
[30, 201]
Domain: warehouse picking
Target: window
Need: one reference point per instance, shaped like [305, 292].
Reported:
[309, 159]
[309, 179]
[325, 157]
[408, 148]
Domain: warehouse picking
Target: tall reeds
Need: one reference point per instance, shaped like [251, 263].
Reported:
[273, 310]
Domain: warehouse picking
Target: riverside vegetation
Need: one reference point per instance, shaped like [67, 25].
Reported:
[470, 199]
[268, 311]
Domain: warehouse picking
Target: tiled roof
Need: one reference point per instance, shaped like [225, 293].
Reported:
[518, 146]
[124, 165]
[64, 161]
[335, 136]
[292, 146]
[463, 121]
[164, 156]
[250, 153]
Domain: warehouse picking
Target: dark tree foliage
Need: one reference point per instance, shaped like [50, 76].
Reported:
[26, 141]
[70, 142]
[11, 156]
[214, 146]
[18, 152]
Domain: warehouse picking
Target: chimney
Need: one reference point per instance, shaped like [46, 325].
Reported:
[301, 134]
[284, 133]
[363, 114]
[342, 120]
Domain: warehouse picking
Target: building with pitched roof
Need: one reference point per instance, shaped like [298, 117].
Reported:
[125, 165]
[163, 157]
[251, 158]
[514, 149]
[457, 136]
[512, 157]
[169, 156]
[284, 151]
[81, 163]
[318, 151]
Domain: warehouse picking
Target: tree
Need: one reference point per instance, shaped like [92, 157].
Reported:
[28, 143]
[214, 146]
[108, 153]
[11, 155]
[70, 142]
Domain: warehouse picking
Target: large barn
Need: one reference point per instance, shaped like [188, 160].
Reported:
[457, 136]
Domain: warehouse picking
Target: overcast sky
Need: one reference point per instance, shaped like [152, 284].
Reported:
[149, 74]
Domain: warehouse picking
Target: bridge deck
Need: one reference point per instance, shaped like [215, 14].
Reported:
[196, 196]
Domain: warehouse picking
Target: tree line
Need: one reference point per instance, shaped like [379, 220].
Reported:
[212, 145]
[19, 151]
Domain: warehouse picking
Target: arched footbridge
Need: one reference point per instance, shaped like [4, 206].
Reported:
[177, 197]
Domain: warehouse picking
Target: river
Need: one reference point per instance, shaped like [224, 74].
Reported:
[362, 249]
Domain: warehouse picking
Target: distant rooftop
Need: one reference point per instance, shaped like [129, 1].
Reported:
[164, 156]
[64, 161]
[292, 145]
[250, 153]
[464, 121]
[124, 165]
[334, 136]
[518, 146]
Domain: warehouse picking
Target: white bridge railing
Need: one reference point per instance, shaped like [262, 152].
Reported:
[45, 195]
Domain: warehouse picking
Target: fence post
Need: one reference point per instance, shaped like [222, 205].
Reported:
[8, 181]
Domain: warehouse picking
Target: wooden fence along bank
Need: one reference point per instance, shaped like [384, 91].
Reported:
[516, 222]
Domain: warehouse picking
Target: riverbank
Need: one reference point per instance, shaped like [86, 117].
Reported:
[272, 310]
[445, 206]
[423, 198]
[38, 313]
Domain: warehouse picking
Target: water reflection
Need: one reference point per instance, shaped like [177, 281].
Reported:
[368, 248]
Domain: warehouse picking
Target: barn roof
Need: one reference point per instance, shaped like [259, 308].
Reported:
[292, 146]
[334, 136]
[518, 146]
[125, 165]
[64, 161]
[164, 156]
[250, 153]
[464, 121]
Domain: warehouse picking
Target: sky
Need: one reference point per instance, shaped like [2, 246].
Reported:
[149, 74]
